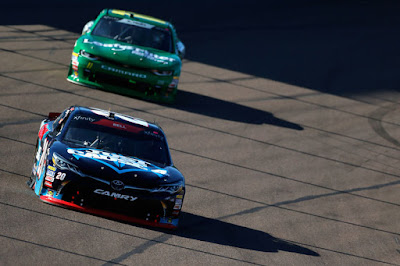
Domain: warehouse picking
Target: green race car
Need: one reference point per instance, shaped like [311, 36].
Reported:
[130, 54]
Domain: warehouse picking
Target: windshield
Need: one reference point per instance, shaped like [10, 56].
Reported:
[126, 139]
[134, 32]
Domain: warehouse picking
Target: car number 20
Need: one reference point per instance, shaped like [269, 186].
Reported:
[60, 176]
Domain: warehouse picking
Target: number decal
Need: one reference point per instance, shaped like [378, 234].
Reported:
[61, 176]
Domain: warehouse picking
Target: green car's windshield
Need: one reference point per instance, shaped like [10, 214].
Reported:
[134, 32]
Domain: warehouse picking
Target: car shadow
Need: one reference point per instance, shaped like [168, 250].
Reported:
[220, 109]
[222, 233]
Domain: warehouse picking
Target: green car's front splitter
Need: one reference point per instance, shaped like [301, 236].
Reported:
[149, 94]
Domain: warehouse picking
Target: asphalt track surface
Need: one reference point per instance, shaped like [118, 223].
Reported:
[287, 129]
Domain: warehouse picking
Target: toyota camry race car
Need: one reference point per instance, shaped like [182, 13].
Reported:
[107, 164]
[128, 53]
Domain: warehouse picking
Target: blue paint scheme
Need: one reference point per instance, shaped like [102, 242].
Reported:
[39, 180]
[120, 165]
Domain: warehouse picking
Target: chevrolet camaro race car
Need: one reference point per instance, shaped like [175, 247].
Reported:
[128, 53]
[107, 164]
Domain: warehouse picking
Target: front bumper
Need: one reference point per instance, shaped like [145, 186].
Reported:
[168, 223]
[122, 79]
[95, 197]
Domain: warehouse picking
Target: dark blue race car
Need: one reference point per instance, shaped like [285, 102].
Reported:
[107, 164]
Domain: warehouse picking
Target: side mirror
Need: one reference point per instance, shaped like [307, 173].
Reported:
[181, 49]
[87, 27]
[52, 116]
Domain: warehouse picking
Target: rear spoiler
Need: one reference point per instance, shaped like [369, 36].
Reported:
[53, 116]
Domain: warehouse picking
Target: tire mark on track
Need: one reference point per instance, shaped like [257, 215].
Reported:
[140, 249]
[57, 249]
[49, 37]
[313, 197]
[33, 57]
[20, 141]
[376, 123]
[298, 211]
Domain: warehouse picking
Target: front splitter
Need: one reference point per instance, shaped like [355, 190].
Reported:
[111, 215]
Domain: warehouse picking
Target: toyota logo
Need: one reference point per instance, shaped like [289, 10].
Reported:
[117, 185]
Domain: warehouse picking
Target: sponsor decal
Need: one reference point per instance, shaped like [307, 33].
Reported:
[125, 127]
[51, 168]
[134, 50]
[42, 162]
[119, 125]
[75, 65]
[74, 56]
[49, 178]
[115, 161]
[174, 82]
[48, 184]
[114, 195]
[123, 72]
[154, 134]
[136, 23]
[89, 65]
[50, 173]
[50, 192]
[179, 196]
[178, 201]
[84, 118]
[43, 131]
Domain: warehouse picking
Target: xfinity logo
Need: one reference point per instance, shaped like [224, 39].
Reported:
[78, 117]
[114, 195]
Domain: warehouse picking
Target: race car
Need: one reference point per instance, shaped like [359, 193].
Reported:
[128, 53]
[107, 164]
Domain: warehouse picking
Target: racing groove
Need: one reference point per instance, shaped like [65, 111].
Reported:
[276, 173]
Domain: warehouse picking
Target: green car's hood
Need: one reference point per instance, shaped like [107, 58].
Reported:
[127, 53]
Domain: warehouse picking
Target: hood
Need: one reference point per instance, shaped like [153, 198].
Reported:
[129, 54]
[110, 166]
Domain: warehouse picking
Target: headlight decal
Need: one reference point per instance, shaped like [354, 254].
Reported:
[64, 164]
[162, 72]
[88, 55]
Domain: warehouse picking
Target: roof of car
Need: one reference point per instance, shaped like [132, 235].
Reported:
[117, 117]
[138, 17]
